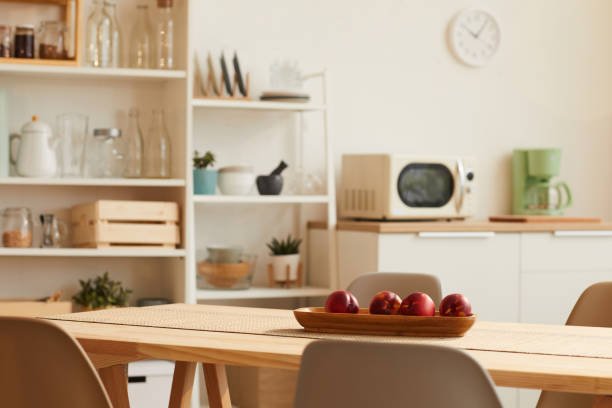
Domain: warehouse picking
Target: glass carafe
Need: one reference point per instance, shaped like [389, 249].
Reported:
[164, 35]
[72, 132]
[140, 40]
[157, 148]
[548, 198]
[133, 147]
[53, 231]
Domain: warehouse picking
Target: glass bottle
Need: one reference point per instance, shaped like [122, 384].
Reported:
[157, 149]
[133, 148]
[105, 39]
[164, 35]
[92, 50]
[140, 39]
[110, 7]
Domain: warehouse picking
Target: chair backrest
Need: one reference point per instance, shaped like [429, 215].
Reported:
[365, 286]
[42, 366]
[593, 308]
[359, 375]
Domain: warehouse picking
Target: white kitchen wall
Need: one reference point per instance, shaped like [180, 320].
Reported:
[396, 87]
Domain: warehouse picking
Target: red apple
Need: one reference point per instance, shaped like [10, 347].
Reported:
[418, 304]
[341, 301]
[385, 302]
[455, 305]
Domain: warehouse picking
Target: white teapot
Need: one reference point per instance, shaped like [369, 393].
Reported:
[35, 150]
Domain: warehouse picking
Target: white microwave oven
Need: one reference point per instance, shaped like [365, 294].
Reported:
[403, 187]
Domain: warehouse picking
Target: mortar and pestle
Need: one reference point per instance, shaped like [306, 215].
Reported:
[271, 184]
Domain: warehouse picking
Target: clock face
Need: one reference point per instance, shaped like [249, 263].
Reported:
[474, 37]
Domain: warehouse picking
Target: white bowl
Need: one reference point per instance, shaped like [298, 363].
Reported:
[236, 180]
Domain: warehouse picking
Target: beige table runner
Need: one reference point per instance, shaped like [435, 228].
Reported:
[486, 336]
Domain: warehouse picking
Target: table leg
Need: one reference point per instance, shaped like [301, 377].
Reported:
[182, 384]
[115, 381]
[603, 402]
[216, 386]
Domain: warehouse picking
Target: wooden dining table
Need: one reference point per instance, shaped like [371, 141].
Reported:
[548, 357]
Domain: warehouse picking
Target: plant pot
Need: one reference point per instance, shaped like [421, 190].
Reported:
[204, 181]
[280, 264]
[270, 185]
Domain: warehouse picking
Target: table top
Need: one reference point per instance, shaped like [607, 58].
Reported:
[569, 367]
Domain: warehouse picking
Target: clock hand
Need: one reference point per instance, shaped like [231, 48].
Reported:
[481, 29]
[469, 31]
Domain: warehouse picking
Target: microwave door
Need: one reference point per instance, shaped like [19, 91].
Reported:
[426, 185]
[461, 186]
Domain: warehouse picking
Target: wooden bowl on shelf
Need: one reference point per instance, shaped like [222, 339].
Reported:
[226, 275]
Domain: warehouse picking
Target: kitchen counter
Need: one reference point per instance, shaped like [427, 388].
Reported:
[462, 226]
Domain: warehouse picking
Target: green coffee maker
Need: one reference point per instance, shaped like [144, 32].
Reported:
[533, 190]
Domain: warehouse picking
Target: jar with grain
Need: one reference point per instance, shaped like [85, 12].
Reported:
[17, 228]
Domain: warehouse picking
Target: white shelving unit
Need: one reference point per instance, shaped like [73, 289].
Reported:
[68, 72]
[280, 199]
[93, 253]
[262, 293]
[256, 105]
[111, 182]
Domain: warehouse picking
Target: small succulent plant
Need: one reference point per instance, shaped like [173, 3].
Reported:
[287, 246]
[101, 292]
[202, 162]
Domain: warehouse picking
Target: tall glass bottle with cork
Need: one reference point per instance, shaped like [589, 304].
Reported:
[157, 148]
[140, 39]
[92, 51]
[110, 8]
[164, 35]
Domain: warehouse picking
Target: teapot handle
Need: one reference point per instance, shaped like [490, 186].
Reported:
[568, 194]
[12, 138]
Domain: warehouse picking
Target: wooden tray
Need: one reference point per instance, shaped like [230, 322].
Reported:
[315, 319]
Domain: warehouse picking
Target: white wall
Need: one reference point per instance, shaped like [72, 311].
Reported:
[396, 87]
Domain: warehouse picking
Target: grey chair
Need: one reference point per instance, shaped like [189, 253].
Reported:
[593, 308]
[364, 375]
[365, 286]
[42, 366]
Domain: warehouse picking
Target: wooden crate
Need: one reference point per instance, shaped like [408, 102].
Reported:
[33, 308]
[109, 223]
[71, 12]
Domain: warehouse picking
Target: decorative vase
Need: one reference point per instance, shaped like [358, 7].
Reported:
[205, 181]
[285, 267]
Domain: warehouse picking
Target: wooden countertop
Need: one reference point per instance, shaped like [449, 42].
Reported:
[461, 226]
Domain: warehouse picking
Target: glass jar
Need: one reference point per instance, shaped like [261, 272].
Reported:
[140, 39]
[24, 41]
[51, 40]
[17, 228]
[6, 41]
[164, 35]
[105, 154]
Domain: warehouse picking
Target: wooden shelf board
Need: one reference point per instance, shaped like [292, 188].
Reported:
[93, 253]
[257, 199]
[53, 71]
[113, 182]
[261, 293]
[256, 105]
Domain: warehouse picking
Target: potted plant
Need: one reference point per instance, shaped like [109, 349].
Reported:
[101, 293]
[285, 257]
[204, 178]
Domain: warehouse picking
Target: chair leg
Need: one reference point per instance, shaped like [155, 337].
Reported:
[182, 384]
[115, 381]
[216, 386]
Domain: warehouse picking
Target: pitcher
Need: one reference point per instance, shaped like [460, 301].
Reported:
[35, 150]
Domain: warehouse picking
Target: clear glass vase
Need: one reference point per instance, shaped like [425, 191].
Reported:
[92, 50]
[140, 40]
[110, 8]
[164, 35]
[133, 148]
[157, 148]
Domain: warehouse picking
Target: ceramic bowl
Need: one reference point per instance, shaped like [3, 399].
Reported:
[224, 253]
[236, 180]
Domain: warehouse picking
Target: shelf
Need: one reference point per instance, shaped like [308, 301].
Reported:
[255, 199]
[51, 71]
[256, 105]
[261, 293]
[94, 253]
[113, 182]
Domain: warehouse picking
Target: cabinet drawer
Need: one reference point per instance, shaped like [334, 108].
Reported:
[566, 251]
[485, 267]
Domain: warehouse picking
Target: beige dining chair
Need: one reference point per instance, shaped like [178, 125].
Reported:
[365, 286]
[364, 375]
[593, 308]
[42, 366]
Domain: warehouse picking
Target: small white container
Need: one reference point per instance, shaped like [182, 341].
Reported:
[236, 180]
[280, 264]
[149, 383]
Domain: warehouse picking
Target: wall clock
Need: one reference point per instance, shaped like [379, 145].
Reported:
[474, 37]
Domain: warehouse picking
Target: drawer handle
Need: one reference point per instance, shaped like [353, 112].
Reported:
[582, 233]
[483, 234]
